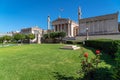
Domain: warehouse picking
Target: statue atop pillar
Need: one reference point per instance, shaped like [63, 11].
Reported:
[79, 13]
[48, 23]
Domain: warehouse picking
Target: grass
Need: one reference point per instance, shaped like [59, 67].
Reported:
[40, 62]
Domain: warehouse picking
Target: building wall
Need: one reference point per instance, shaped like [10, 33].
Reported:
[99, 25]
[104, 26]
[119, 26]
[65, 25]
[33, 30]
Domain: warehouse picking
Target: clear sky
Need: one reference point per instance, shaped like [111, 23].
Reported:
[17, 14]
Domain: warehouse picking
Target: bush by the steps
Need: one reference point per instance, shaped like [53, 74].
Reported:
[73, 42]
[108, 46]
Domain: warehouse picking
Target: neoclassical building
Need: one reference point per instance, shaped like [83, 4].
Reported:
[66, 25]
[38, 32]
[103, 24]
[119, 26]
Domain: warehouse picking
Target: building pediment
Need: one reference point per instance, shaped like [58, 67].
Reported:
[61, 21]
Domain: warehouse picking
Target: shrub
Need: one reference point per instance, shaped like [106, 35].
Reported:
[116, 68]
[109, 46]
[73, 42]
[55, 36]
[69, 42]
[45, 36]
[89, 68]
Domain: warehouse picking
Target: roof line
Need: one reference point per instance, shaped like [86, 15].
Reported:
[100, 16]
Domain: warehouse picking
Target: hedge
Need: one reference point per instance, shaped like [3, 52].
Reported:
[108, 46]
[73, 42]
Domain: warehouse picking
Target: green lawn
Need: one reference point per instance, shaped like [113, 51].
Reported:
[40, 62]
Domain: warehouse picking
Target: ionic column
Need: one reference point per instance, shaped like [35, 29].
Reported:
[71, 31]
[93, 27]
[68, 30]
[57, 27]
[54, 28]
[61, 27]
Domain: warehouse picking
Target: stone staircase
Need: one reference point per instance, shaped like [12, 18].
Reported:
[70, 47]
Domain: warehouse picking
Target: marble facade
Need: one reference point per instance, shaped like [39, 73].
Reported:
[119, 26]
[33, 30]
[99, 25]
[66, 25]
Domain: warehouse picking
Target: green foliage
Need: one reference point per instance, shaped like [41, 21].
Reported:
[39, 62]
[1, 39]
[88, 68]
[73, 42]
[30, 36]
[116, 68]
[45, 36]
[113, 48]
[55, 36]
[108, 46]
[61, 34]
[69, 42]
[5, 38]
[18, 37]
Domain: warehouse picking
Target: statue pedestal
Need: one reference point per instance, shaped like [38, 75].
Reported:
[38, 39]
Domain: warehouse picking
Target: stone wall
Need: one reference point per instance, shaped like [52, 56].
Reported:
[100, 24]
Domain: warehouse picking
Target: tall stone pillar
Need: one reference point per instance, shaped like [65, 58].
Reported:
[57, 27]
[60, 27]
[38, 38]
[54, 28]
[66, 29]
[69, 30]
[63, 27]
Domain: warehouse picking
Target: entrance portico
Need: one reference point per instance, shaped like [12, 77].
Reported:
[66, 25]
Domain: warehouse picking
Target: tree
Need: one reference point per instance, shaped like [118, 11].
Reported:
[22, 37]
[1, 39]
[45, 36]
[19, 37]
[55, 35]
[30, 37]
[7, 38]
[61, 35]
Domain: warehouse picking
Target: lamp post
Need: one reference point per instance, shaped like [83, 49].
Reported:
[87, 34]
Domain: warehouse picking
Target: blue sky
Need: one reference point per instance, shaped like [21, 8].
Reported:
[17, 14]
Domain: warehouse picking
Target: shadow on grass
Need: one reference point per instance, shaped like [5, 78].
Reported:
[105, 56]
[97, 74]
[59, 76]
